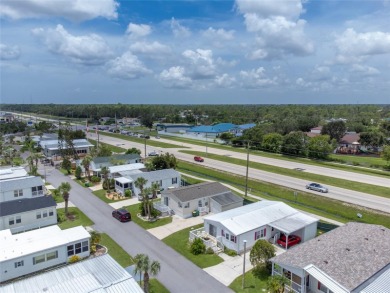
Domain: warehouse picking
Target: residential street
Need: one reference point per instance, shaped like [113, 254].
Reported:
[177, 273]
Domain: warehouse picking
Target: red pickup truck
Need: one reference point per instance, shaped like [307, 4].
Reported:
[292, 240]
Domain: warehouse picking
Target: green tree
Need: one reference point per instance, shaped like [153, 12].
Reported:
[319, 147]
[144, 265]
[294, 143]
[106, 184]
[260, 254]
[77, 173]
[96, 237]
[133, 151]
[386, 154]
[166, 161]
[67, 165]
[335, 129]
[371, 138]
[65, 189]
[86, 162]
[272, 142]
[197, 247]
[140, 183]
[104, 151]
[226, 137]
[277, 283]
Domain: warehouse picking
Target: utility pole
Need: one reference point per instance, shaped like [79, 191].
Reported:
[247, 169]
[206, 144]
[243, 269]
[145, 142]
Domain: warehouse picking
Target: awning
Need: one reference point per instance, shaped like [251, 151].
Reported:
[324, 279]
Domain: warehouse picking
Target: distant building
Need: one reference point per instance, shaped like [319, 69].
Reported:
[6, 117]
[51, 148]
[213, 131]
[172, 127]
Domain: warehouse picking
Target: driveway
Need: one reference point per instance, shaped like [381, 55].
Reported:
[177, 273]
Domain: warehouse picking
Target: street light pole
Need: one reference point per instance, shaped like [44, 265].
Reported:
[206, 144]
[247, 170]
[243, 268]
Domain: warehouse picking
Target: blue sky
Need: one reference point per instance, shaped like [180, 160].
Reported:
[195, 52]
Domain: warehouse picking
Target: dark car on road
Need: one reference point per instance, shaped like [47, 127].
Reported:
[317, 187]
[198, 159]
[292, 240]
[121, 215]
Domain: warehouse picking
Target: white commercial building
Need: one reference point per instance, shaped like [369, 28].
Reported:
[32, 251]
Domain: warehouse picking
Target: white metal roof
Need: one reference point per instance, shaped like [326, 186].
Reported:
[14, 246]
[13, 172]
[127, 167]
[326, 280]
[381, 284]
[20, 183]
[252, 216]
[123, 180]
[98, 275]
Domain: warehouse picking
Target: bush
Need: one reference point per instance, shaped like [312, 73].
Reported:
[61, 218]
[78, 172]
[128, 193]
[197, 247]
[229, 252]
[74, 258]
[95, 179]
[209, 250]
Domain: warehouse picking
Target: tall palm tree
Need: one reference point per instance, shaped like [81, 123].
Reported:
[104, 171]
[86, 162]
[155, 187]
[146, 201]
[65, 189]
[140, 183]
[145, 266]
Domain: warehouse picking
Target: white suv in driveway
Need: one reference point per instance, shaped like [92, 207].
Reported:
[317, 187]
[152, 154]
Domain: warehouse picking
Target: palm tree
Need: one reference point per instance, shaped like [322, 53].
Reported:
[86, 162]
[140, 183]
[65, 189]
[104, 171]
[146, 202]
[155, 187]
[143, 265]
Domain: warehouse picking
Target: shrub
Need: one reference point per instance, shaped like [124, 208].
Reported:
[74, 258]
[128, 193]
[78, 172]
[95, 179]
[209, 250]
[61, 218]
[197, 246]
[229, 252]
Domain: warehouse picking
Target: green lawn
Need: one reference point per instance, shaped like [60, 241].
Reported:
[101, 193]
[58, 199]
[316, 204]
[360, 160]
[79, 218]
[352, 185]
[134, 210]
[157, 287]
[116, 251]
[252, 284]
[149, 142]
[191, 180]
[113, 148]
[179, 242]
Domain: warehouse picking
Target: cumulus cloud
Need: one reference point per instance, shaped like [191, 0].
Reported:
[87, 50]
[154, 49]
[138, 30]
[219, 34]
[201, 63]
[364, 70]
[256, 78]
[75, 10]
[178, 30]
[127, 66]
[278, 28]
[224, 80]
[9, 52]
[353, 47]
[175, 77]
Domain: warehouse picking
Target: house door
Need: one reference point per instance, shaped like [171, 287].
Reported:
[166, 201]
[212, 230]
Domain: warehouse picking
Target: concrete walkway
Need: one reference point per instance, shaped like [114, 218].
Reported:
[96, 187]
[61, 205]
[124, 203]
[177, 224]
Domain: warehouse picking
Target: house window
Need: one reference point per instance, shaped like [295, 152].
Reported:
[11, 221]
[233, 238]
[51, 213]
[44, 214]
[70, 250]
[206, 203]
[84, 247]
[200, 203]
[227, 236]
[179, 204]
[19, 264]
[260, 234]
[187, 205]
[77, 247]
[18, 192]
[38, 259]
[160, 183]
[18, 219]
[39, 215]
[174, 180]
[52, 255]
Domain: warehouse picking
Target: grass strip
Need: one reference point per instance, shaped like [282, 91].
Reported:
[342, 183]
[116, 251]
[134, 210]
[315, 204]
[179, 242]
[252, 284]
[101, 193]
[113, 148]
[75, 219]
[157, 287]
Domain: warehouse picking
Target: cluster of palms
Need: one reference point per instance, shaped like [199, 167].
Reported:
[144, 266]
[144, 192]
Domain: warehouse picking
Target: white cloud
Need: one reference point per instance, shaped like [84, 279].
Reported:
[321, 73]
[178, 30]
[353, 47]
[201, 63]
[175, 77]
[219, 34]
[127, 66]
[256, 78]
[87, 50]
[9, 52]
[153, 48]
[75, 10]
[138, 30]
[364, 70]
[224, 80]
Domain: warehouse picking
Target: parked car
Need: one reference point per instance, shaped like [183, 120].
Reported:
[141, 198]
[198, 159]
[147, 136]
[292, 240]
[317, 187]
[153, 154]
[157, 137]
[121, 215]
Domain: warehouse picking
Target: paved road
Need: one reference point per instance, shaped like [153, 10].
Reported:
[177, 273]
[349, 196]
